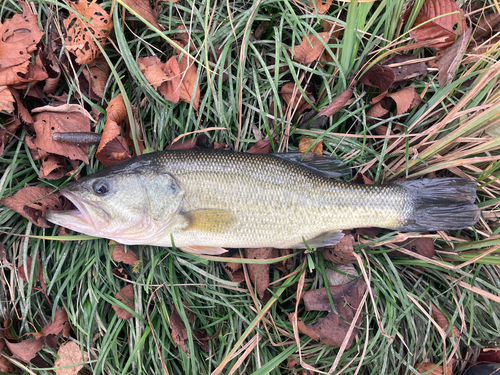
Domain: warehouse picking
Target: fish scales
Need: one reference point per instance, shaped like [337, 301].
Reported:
[207, 200]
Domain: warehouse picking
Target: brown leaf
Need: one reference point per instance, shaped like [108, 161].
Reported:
[424, 367]
[20, 74]
[48, 123]
[423, 245]
[332, 329]
[80, 34]
[261, 147]
[33, 203]
[96, 77]
[443, 322]
[6, 366]
[449, 63]
[19, 37]
[7, 131]
[190, 143]
[234, 270]
[54, 167]
[190, 89]
[25, 273]
[143, 9]
[310, 48]
[51, 66]
[34, 74]
[259, 273]
[114, 147]
[306, 142]
[369, 232]
[487, 26]
[70, 355]
[379, 76]
[337, 278]
[125, 295]
[25, 350]
[171, 88]
[22, 112]
[59, 325]
[179, 332]
[6, 100]
[336, 103]
[294, 98]
[343, 252]
[406, 99]
[447, 20]
[406, 71]
[152, 68]
[361, 179]
[323, 5]
[119, 255]
[380, 110]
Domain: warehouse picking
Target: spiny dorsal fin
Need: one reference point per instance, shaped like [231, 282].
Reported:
[324, 239]
[209, 220]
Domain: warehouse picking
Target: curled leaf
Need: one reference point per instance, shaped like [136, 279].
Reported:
[310, 48]
[125, 295]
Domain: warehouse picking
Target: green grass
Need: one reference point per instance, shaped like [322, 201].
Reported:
[78, 274]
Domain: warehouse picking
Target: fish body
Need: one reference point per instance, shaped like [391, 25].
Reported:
[207, 200]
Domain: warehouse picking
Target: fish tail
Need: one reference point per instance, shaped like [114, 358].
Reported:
[441, 204]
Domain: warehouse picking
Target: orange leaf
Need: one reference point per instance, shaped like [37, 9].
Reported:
[119, 255]
[70, 354]
[443, 25]
[18, 38]
[188, 84]
[306, 142]
[152, 68]
[80, 33]
[143, 9]
[336, 103]
[323, 5]
[125, 295]
[6, 100]
[7, 131]
[310, 49]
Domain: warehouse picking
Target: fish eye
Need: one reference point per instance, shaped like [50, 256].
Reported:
[100, 187]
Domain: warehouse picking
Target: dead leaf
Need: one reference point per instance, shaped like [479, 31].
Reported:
[115, 147]
[95, 78]
[343, 252]
[22, 112]
[423, 245]
[436, 370]
[19, 37]
[444, 323]
[406, 99]
[306, 142]
[448, 20]
[179, 332]
[234, 270]
[6, 100]
[54, 330]
[406, 68]
[336, 103]
[7, 132]
[126, 296]
[25, 273]
[143, 9]
[25, 350]
[6, 366]
[119, 255]
[379, 76]
[152, 68]
[487, 26]
[70, 354]
[294, 98]
[323, 5]
[361, 179]
[190, 89]
[51, 67]
[368, 232]
[449, 63]
[338, 278]
[55, 167]
[164, 77]
[20, 74]
[259, 273]
[261, 147]
[189, 144]
[33, 203]
[310, 48]
[80, 34]
[332, 329]
[34, 73]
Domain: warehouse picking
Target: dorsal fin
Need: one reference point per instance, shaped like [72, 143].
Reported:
[324, 166]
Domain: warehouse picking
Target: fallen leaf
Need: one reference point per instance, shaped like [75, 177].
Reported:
[449, 63]
[80, 34]
[310, 48]
[54, 330]
[379, 110]
[379, 76]
[259, 273]
[33, 203]
[292, 362]
[95, 78]
[6, 100]
[19, 74]
[152, 68]
[234, 270]
[24, 273]
[34, 73]
[55, 167]
[25, 350]
[19, 37]
[361, 179]
[336, 103]
[70, 355]
[406, 68]
[486, 26]
[406, 99]
[190, 89]
[333, 329]
[119, 255]
[423, 245]
[341, 274]
[125, 295]
[323, 5]
[143, 9]
[294, 98]
[306, 142]
[261, 147]
[22, 112]
[444, 323]
[7, 132]
[179, 332]
[424, 367]
[490, 354]
[189, 144]
[51, 67]
[343, 252]
[6, 366]
[48, 123]
[448, 20]
[368, 232]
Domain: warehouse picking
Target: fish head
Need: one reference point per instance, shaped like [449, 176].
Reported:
[127, 206]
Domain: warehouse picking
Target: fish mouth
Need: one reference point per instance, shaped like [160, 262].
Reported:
[76, 219]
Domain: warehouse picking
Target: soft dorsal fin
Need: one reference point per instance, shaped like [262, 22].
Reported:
[209, 220]
[324, 239]
[324, 166]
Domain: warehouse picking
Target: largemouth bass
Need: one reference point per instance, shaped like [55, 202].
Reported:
[206, 201]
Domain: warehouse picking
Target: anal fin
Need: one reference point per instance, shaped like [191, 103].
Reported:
[209, 220]
[324, 239]
[204, 250]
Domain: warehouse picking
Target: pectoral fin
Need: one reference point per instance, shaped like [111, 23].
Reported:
[324, 239]
[205, 250]
[208, 220]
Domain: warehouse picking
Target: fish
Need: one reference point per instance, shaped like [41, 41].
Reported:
[206, 201]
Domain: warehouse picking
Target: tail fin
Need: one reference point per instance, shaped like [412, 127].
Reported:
[441, 204]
